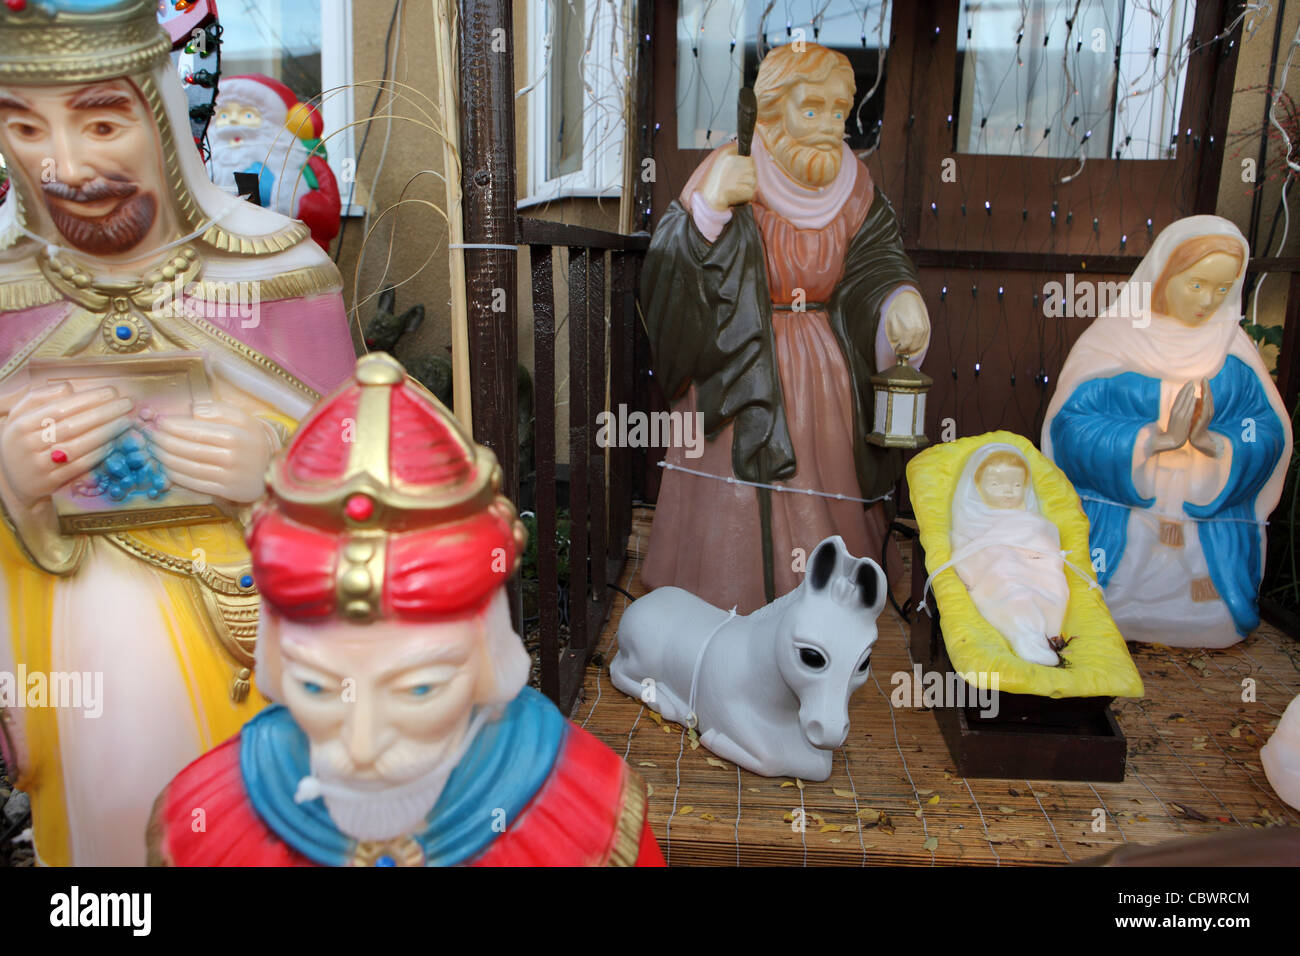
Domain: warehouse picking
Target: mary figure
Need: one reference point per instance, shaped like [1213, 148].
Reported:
[1173, 433]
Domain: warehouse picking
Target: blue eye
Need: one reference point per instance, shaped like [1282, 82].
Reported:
[421, 690]
[809, 114]
[312, 687]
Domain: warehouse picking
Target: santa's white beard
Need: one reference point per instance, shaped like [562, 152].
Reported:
[277, 150]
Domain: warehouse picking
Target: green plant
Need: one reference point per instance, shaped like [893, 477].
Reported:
[562, 524]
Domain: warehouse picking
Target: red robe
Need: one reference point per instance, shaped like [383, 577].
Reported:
[591, 811]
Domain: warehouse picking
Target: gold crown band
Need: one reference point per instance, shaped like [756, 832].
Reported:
[74, 47]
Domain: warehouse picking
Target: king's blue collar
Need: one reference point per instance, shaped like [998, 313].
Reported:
[503, 768]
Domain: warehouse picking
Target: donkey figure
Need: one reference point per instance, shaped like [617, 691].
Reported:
[768, 691]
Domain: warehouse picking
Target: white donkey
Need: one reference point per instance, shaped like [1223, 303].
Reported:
[768, 691]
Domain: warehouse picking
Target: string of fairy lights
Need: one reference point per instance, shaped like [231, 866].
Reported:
[1068, 82]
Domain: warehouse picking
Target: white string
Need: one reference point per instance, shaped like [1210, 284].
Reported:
[507, 246]
[1169, 517]
[963, 553]
[692, 719]
[733, 480]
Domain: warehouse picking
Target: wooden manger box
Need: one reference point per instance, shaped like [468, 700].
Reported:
[1041, 738]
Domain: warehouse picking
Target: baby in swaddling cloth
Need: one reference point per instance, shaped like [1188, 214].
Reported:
[1008, 555]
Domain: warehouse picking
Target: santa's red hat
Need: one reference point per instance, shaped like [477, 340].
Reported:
[273, 100]
[382, 507]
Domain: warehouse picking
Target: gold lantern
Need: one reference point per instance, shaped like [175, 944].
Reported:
[900, 406]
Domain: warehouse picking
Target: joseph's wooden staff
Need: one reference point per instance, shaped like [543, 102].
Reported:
[746, 118]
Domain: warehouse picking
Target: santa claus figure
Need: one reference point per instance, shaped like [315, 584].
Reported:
[404, 732]
[261, 128]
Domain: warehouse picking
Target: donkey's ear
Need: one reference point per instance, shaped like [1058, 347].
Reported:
[822, 565]
[872, 585]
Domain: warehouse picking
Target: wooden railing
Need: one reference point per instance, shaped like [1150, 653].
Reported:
[608, 367]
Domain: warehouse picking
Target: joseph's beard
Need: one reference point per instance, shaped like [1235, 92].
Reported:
[117, 231]
[807, 165]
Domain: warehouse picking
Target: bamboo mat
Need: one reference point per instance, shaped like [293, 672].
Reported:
[894, 796]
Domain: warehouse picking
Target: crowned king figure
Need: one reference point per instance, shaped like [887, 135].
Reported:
[403, 732]
[159, 340]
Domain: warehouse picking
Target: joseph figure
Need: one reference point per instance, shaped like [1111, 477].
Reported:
[775, 286]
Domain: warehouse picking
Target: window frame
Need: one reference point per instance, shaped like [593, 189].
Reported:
[601, 173]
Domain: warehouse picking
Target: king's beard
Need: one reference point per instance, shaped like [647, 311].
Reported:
[120, 230]
[809, 166]
[391, 806]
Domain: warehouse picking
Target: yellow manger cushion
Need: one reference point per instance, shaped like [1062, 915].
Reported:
[1098, 661]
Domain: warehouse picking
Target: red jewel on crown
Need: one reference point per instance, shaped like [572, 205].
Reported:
[359, 508]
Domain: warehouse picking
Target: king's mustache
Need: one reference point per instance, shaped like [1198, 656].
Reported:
[93, 191]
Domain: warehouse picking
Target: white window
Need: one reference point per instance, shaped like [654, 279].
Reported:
[306, 45]
[1051, 78]
[576, 91]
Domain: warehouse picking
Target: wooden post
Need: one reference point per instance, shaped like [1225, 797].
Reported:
[487, 124]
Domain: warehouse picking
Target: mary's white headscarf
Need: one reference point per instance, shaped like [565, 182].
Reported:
[1160, 346]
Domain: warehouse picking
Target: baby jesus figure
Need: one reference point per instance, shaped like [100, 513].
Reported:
[1009, 555]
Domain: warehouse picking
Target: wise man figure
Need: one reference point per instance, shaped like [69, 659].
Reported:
[159, 340]
[403, 732]
[775, 286]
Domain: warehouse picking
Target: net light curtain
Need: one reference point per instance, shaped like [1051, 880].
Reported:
[1095, 78]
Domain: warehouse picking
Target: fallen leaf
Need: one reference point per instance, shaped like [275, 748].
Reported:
[884, 824]
[849, 828]
[1189, 812]
[829, 828]
[798, 783]
[787, 783]
[924, 793]
[919, 811]
[753, 790]
[1006, 809]
[656, 718]
[647, 763]
[649, 790]
[1235, 731]
[867, 813]
[931, 844]
[682, 811]
[665, 728]
[707, 816]
[847, 794]
[934, 799]
[1013, 791]
[715, 762]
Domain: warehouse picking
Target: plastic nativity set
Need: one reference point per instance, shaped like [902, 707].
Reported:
[290, 565]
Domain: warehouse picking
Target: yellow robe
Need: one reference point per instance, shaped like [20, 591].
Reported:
[137, 607]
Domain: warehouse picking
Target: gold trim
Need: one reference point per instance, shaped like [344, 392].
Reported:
[109, 521]
[1171, 533]
[404, 851]
[631, 823]
[252, 355]
[232, 609]
[27, 294]
[38, 45]
[1203, 590]
[298, 284]
[359, 577]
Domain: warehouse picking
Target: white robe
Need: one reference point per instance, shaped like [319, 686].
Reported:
[1010, 560]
